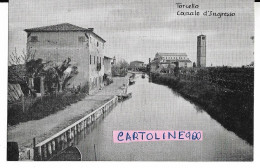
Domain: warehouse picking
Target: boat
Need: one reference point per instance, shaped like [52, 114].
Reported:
[124, 97]
[131, 81]
[71, 153]
[143, 75]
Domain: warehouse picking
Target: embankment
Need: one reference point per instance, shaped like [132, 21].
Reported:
[41, 129]
[230, 106]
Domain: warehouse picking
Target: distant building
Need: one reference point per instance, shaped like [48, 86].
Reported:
[201, 51]
[136, 65]
[107, 65]
[85, 48]
[178, 59]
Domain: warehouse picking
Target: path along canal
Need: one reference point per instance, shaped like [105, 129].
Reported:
[157, 107]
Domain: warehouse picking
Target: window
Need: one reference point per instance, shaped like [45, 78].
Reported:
[94, 59]
[81, 39]
[97, 59]
[203, 38]
[100, 60]
[90, 59]
[34, 38]
[97, 44]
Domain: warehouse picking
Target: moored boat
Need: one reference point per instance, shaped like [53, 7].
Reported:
[71, 153]
[124, 97]
[143, 75]
[131, 81]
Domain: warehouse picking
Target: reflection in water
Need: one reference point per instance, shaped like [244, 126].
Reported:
[156, 107]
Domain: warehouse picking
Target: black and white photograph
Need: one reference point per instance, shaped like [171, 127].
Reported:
[130, 80]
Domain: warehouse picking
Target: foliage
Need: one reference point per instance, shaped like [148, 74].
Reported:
[120, 68]
[227, 95]
[15, 59]
[56, 76]
[42, 107]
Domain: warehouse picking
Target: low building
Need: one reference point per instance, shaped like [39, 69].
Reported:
[136, 65]
[178, 59]
[85, 48]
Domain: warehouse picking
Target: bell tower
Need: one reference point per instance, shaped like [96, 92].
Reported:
[201, 51]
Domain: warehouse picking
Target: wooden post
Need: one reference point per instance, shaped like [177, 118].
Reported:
[42, 85]
[23, 102]
[95, 153]
[34, 149]
[45, 155]
[53, 146]
[39, 154]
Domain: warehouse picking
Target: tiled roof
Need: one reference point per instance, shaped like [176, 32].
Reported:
[57, 28]
[172, 54]
[107, 57]
[177, 60]
[63, 27]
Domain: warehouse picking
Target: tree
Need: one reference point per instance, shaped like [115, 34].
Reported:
[22, 67]
[123, 64]
[120, 68]
[56, 77]
[15, 59]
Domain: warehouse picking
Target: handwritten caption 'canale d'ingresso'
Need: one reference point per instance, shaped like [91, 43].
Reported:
[194, 11]
[139, 136]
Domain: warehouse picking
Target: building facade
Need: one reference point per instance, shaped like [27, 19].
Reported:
[178, 59]
[59, 42]
[201, 51]
[136, 65]
[107, 65]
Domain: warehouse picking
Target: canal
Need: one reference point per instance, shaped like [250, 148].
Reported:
[157, 107]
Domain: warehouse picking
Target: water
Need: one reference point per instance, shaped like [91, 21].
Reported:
[157, 107]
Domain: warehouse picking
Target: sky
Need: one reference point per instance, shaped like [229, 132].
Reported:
[138, 29]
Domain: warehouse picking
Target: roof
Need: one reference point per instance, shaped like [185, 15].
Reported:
[63, 27]
[14, 92]
[178, 60]
[172, 54]
[107, 57]
[183, 61]
[137, 62]
[57, 28]
[201, 35]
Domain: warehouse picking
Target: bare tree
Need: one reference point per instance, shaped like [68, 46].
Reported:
[15, 59]
[55, 76]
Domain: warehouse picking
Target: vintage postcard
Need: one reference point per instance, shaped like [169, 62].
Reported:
[130, 80]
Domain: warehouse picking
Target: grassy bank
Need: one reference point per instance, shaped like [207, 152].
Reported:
[41, 107]
[226, 95]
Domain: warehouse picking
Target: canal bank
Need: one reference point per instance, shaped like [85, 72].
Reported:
[42, 129]
[231, 108]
